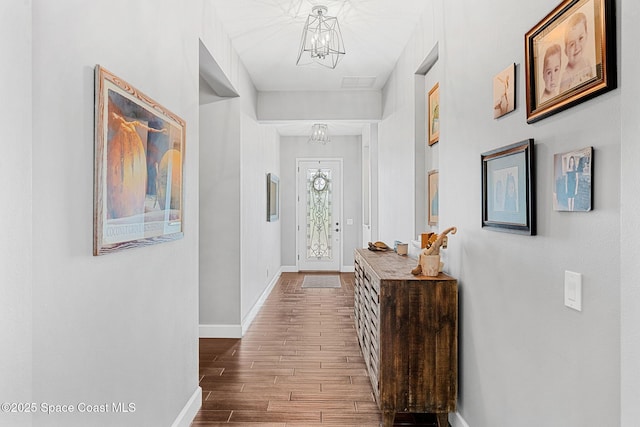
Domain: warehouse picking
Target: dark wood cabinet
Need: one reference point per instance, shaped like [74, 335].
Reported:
[408, 331]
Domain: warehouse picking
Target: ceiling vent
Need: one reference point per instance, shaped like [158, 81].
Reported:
[358, 82]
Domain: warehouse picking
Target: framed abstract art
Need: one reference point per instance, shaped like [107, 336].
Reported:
[138, 170]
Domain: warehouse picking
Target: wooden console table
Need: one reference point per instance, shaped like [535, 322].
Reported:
[408, 331]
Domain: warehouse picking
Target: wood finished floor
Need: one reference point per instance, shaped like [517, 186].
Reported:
[298, 365]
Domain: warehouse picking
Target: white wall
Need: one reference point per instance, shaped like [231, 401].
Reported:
[260, 238]
[398, 144]
[523, 354]
[220, 185]
[218, 43]
[16, 245]
[310, 105]
[239, 249]
[629, 218]
[120, 327]
[349, 148]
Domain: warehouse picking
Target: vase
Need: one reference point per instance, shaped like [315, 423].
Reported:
[430, 265]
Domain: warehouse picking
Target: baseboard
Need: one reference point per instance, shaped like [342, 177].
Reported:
[458, 421]
[238, 331]
[248, 319]
[220, 331]
[294, 269]
[190, 410]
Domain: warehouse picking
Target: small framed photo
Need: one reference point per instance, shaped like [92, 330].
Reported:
[138, 170]
[433, 118]
[504, 92]
[432, 201]
[508, 189]
[572, 190]
[273, 197]
[570, 57]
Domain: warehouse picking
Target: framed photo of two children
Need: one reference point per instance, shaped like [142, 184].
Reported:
[570, 57]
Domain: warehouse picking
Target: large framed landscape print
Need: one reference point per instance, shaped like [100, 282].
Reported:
[570, 57]
[138, 171]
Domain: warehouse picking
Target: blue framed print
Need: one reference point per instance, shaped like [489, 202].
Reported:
[508, 189]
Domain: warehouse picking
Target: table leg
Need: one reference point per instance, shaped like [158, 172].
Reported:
[443, 419]
[387, 418]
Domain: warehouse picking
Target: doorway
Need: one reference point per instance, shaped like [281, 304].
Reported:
[319, 214]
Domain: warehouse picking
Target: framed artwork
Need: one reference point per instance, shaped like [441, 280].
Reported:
[504, 92]
[138, 171]
[273, 197]
[432, 208]
[508, 189]
[570, 57]
[572, 180]
[433, 119]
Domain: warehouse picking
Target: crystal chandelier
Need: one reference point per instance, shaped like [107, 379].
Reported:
[321, 40]
[319, 134]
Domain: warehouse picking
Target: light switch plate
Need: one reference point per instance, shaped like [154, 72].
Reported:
[573, 290]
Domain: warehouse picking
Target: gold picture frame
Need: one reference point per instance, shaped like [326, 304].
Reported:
[433, 117]
[570, 57]
[433, 186]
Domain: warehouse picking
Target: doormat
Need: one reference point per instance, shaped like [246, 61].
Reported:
[321, 281]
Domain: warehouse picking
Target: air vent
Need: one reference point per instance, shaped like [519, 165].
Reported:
[358, 82]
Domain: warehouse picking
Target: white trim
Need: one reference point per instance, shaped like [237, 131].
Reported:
[190, 410]
[238, 331]
[248, 319]
[220, 331]
[458, 421]
[294, 269]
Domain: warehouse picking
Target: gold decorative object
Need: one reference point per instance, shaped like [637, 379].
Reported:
[430, 256]
[378, 246]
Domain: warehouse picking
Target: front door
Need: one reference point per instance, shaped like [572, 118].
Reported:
[319, 212]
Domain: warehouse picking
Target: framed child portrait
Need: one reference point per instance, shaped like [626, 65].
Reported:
[508, 189]
[572, 190]
[570, 57]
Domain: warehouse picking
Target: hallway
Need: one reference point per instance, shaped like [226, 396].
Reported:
[298, 365]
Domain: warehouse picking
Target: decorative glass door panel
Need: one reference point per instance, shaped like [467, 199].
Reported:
[319, 223]
[319, 244]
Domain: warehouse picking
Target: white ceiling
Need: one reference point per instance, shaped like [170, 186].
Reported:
[266, 34]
